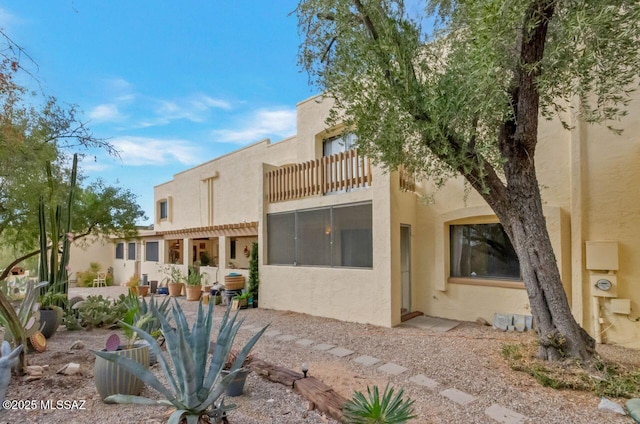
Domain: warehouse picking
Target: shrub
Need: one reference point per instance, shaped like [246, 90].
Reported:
[371, 410]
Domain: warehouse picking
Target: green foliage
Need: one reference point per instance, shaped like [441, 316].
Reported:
[254, 274]
[372, 409]
[434, 100]
[205, 260]
[242, 295]
[51, 298]
[99, 311]
[194, 384]
[194, 278]
[601, 377]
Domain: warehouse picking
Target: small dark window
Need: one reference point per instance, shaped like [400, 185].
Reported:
[120, 251]
[151, 251]
[164, 209]
[232, 249]
[131, 251]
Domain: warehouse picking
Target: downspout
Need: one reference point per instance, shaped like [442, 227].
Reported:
[577, 165]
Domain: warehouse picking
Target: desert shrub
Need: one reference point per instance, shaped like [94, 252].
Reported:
[601, 377]
[99, 311]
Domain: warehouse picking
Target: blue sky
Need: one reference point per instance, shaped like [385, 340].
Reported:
[171, 84]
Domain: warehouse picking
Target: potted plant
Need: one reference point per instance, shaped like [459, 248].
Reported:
[193, 384]
[50, 313]
[236, 386]
[243, 299]
[194, 284]
[133, 284]
[109, 377]
[175, 284]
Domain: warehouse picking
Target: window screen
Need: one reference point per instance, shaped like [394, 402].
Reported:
[313, 231]
[151, 251]
[352, 236]
[281, 238]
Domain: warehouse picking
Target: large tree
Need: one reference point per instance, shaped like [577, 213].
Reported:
[459, 87]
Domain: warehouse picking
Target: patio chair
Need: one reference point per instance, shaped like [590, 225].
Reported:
[101, 280]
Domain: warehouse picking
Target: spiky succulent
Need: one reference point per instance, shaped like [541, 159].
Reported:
[374, 410]
[194, 382]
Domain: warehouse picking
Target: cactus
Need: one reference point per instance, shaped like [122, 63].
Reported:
[194, 385]
[55, 269]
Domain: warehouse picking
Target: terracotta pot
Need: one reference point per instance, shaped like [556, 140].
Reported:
[111, 379]
[175, 289]
[143, 290]
[193, 292]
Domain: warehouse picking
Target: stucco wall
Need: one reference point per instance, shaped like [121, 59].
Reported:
[611, 211]
[86, 251]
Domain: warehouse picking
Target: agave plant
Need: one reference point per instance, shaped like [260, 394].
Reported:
[194, 382]
[373, 410]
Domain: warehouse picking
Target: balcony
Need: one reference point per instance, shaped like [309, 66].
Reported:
[340, 172]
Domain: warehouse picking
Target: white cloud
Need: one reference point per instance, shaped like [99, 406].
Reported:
[261, 124]
[107, 112]
[89, 163]
[138, 151]
[194, 108]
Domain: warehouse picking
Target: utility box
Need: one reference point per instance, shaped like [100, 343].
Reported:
[621, 306]
[602, 255]
[604, 285]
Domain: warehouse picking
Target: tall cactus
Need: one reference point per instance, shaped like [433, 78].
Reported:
[55, 269]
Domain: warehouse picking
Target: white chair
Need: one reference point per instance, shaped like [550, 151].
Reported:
[101, 281]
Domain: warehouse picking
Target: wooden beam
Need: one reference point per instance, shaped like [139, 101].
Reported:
[323, 397]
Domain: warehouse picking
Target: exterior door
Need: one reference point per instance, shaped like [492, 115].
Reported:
[405, 267]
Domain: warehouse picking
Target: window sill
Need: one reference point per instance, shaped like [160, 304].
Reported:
[507, 284]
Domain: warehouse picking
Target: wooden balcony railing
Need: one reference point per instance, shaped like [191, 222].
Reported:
[342, 171]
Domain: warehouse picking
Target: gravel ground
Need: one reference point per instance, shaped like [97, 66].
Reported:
[466, 358]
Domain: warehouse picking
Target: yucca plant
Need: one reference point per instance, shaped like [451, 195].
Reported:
[374, 410]
[194, 382]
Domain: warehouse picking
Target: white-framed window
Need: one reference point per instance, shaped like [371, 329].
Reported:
[482, 251]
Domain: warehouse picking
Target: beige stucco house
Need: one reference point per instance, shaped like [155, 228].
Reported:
[340, 238]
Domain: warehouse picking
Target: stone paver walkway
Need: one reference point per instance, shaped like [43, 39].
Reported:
[495, 412]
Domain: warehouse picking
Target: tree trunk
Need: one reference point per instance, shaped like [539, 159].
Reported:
[523, 220]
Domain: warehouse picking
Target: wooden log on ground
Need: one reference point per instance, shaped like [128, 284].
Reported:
[323, 397]
[275, 373]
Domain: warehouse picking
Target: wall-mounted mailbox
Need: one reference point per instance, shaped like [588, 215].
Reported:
[604, 285]
[602, 255]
